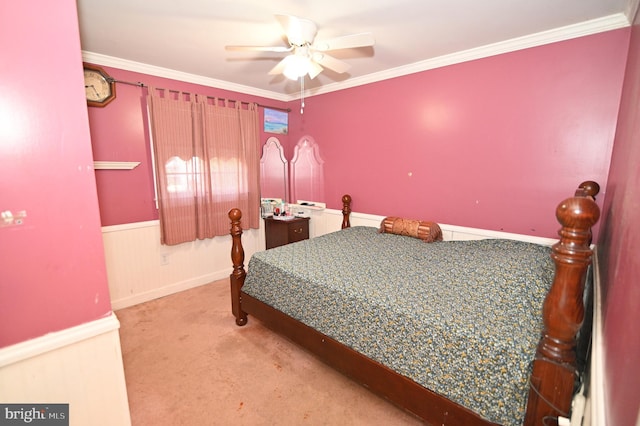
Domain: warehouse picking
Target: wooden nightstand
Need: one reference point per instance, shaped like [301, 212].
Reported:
[281, 232]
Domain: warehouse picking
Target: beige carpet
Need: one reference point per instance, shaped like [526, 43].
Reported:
[187, 363]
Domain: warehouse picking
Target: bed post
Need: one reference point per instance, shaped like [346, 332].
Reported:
[554, 368]
[346, 211]
[588, 188]
[238, 275]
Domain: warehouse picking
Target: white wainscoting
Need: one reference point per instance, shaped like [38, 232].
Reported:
[333, 221]
[81, 366]
[140, 269]
[594, 405]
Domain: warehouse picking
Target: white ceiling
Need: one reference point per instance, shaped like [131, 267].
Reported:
[186, 39]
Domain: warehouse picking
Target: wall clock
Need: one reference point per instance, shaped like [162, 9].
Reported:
[99, 87]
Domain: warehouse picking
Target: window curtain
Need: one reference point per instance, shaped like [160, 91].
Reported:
[207, 162]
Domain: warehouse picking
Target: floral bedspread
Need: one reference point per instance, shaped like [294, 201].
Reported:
[461, 318]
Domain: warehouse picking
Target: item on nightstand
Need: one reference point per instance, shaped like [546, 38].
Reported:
[266, 209]
[284, 217]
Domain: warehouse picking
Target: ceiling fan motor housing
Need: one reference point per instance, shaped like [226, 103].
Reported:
[299, 31]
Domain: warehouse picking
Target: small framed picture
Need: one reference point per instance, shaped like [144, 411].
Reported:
[276, 121]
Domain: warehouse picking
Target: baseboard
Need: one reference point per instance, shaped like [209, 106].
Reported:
[167, 290]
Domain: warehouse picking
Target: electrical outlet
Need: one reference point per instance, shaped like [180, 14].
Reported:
[7, 218]
[164, 259]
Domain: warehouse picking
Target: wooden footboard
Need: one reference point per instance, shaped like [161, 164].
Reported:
[237, 257]
[553, 380]
[554, 371]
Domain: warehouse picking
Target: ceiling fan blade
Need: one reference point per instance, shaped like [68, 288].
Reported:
[345, 42]
[314, 69]
[299, 31]
[279, 49]
[330, 62]
[280, 66]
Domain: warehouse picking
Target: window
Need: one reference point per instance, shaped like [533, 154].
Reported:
[182, 176]
[211, 164]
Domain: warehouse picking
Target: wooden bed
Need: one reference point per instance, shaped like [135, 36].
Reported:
[555, 369]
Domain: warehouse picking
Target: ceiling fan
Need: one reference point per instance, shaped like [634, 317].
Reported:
[307, 55]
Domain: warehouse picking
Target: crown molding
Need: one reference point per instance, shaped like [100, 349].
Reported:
[125, 64]
[594, 26]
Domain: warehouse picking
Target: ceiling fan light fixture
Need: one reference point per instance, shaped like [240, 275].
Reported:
[297, 66]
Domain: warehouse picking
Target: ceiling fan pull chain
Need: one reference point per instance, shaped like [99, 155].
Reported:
[302, 95]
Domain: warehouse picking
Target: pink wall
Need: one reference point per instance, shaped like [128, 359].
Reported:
[119, 133]
[458, 145]
[494, 143]
[619, 253]
[52, 270]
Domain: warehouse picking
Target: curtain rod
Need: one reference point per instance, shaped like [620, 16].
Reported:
[139, 84]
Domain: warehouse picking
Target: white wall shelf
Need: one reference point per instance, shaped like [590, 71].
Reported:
[115, 165]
